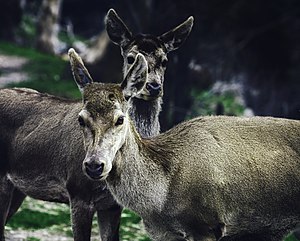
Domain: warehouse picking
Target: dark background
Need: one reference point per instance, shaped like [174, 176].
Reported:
[250, 48]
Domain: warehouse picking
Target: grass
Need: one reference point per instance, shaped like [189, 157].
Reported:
[35, 215]
[131, 227]
[55, 218]
[23, 219]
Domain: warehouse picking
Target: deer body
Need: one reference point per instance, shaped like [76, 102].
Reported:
[209, 172]
[41, 156]
[38, 164]
[210, 178]
[37, 135]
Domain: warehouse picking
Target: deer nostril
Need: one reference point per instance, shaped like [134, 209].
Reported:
[94, 169]
[153, 86]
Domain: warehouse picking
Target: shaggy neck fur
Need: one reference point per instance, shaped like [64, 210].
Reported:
[133, 169]
[145, 116]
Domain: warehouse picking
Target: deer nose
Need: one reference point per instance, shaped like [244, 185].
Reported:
[153, 88]
[94, 169]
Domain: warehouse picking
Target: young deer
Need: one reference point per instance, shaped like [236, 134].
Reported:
[41, 153]
[147, 104]
[210, 178]
[146, 111]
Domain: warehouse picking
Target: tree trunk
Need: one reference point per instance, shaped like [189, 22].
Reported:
[97, 49]
[48, 27]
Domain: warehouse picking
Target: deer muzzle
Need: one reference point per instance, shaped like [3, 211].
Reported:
[153, 88]
[93, 168]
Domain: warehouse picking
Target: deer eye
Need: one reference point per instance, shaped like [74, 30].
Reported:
[119, 121]
[111, 97]
[81, 121]
[164, 63]
[130, 59]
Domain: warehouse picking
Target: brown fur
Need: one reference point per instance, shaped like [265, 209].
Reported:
[42, 150]
[147, 105]
[37, 163]
[210, 178]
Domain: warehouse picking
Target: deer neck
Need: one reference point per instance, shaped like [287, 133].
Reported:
[145, 116]
[135, 175]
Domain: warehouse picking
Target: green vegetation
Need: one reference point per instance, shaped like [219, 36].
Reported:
[34, 215]
[291, 237]
[32, 239]
[47, 73]
[23, 219]
[206, 103]
[55, 218]
[27, 29]
[131, 227]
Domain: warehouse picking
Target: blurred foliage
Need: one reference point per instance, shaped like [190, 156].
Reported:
[47, 73]
[208, 103]
[26, 33]
[27, 30]
[291, 237]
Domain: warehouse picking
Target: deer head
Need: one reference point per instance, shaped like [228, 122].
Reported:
[154, 49]
[104, 115]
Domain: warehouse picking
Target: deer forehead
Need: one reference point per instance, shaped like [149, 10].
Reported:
[147, 45]
[153, 58]
[103, 99]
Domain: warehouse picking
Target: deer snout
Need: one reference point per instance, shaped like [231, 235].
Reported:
[93, 168]
[153, 88]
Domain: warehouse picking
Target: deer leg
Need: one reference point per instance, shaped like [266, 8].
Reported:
[109, 223]
[16, 201]
[82, 217]
[6, 190]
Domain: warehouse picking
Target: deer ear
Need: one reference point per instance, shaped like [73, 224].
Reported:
[136, 77]
[80, 73]
[116, 29]
[176, 37]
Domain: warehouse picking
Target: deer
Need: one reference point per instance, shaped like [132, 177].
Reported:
[209, 178]
[41, 155]
[70, 183]
[155, 49]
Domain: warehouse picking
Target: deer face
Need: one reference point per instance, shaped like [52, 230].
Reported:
[104, 122]
[155, 50]
[156, 57]
[104, 117]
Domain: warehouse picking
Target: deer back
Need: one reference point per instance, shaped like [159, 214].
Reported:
[225, 164]
[32, 127]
